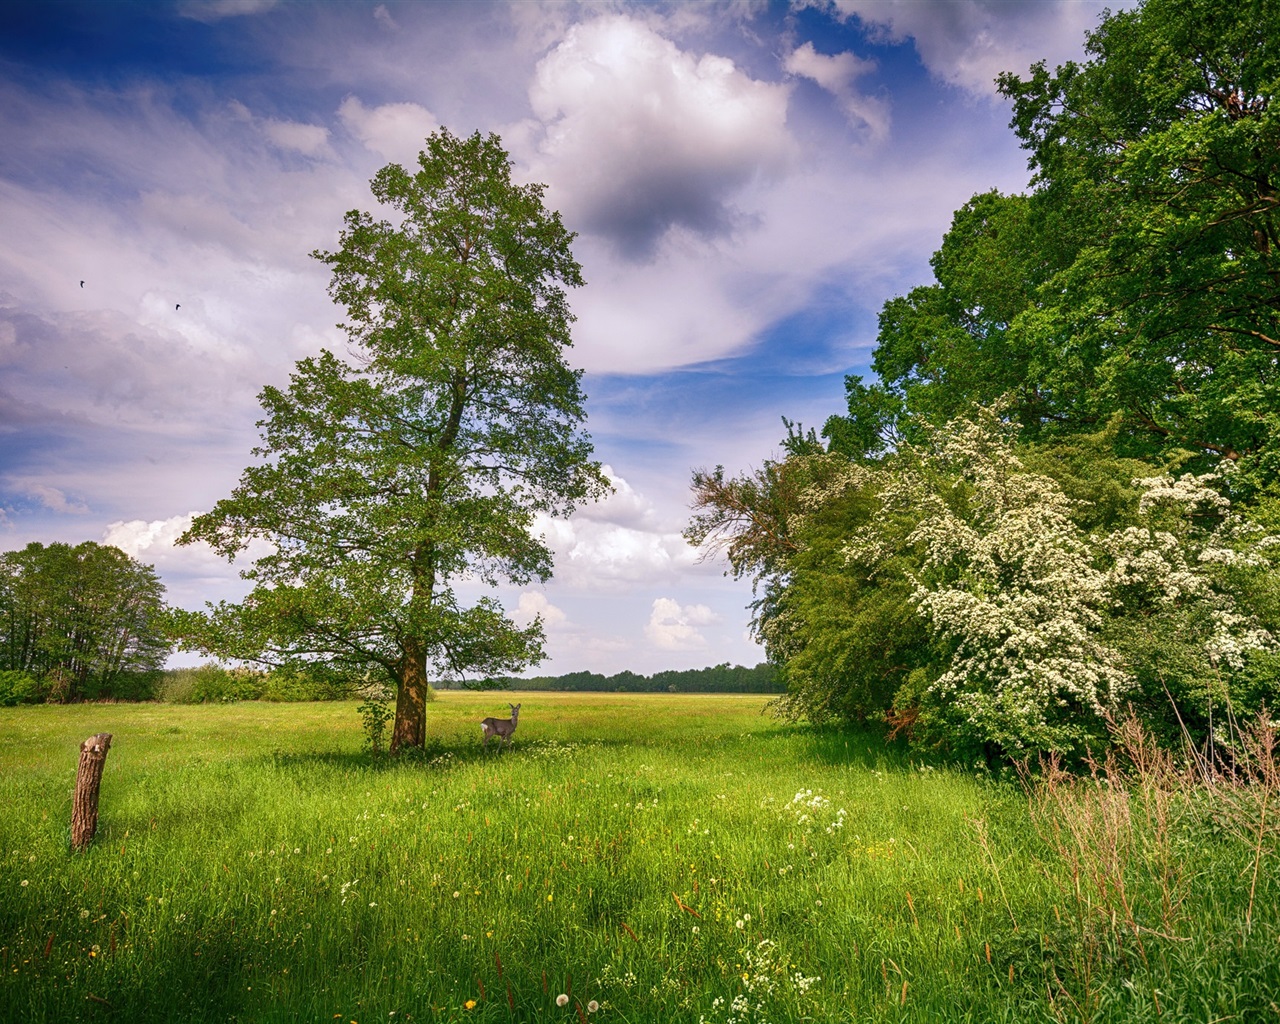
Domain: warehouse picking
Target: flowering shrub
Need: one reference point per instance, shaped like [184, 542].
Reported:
[1042, 631]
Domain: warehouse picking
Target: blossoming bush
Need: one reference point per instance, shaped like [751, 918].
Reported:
[1041, 630]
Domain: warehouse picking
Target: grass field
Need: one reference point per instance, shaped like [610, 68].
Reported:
[651, 858]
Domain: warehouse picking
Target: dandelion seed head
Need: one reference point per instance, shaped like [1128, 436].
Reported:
[562, 1000]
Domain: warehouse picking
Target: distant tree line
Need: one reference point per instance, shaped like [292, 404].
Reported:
[79, 623]
[723, 678]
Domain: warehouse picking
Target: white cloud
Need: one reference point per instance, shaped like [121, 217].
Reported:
[307, 139]
[140, 539]
[533, 604]
[50, 497]
[640, 137]
[395, 131]
[674, 627]
[969, 42]
[838, 74]
[383, 17]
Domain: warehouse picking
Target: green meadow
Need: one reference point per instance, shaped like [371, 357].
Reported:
[635, 857]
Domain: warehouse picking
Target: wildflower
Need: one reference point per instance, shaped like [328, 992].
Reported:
[25, 882]
[470, 1004]
[592, 1006]
[696, 929]
[739, 924]
[456, 894]
[562, 1000]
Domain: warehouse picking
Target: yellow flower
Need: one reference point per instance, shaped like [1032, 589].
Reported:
[470, 1004]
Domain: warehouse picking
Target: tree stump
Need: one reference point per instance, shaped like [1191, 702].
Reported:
[84, 808]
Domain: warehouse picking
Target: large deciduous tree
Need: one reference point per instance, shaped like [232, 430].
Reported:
[1139, 278]
[384, 480]
[87, 620]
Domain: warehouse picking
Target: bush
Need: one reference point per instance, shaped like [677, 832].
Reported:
[19, 688]
[217, 684]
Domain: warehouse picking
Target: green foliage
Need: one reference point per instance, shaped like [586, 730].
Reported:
[18, 688]
[375, 714]
[212, 683]
[88, 620]
[1135, 284]
[425, 458]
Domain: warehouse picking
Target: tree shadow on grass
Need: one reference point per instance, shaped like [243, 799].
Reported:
[862, 746]
[434, 757]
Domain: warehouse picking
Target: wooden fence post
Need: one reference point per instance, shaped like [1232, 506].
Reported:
[84, 808]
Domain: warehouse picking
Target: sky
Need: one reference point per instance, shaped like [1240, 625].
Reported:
[749, 183]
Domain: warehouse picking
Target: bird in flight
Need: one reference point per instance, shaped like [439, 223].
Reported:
[177, 305]
[81, 284]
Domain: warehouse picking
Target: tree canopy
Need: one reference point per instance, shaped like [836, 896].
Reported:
[386, 479]
[84, 621]
[1140, 276]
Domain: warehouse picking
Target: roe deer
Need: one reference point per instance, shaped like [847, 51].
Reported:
[501, 727]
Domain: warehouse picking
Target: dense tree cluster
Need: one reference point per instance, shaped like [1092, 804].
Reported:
[79, 623]
[1061, 496]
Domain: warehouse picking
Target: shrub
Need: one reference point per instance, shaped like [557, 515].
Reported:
[19, 688]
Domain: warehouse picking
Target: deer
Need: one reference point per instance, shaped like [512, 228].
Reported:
[501, 727]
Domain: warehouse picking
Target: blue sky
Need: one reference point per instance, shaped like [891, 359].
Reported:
[749, 181]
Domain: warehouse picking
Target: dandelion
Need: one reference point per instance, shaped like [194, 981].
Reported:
[592, 1006]
[25, 882]
[562, 1000]
[696, 929]
[739, 924]
[83, 914]
[456, 894]
[470, 1004]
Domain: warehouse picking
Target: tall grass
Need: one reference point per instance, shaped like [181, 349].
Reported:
[663, 858]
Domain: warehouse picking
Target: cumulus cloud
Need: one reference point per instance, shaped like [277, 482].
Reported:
[617, 543]
[969, 42]
[140, 539]
[838, 74]
[674, 627]
[395, 131]
[533, 604]
[640, 137]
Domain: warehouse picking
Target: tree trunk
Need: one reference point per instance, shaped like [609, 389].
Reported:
[84, 808]
[411, 703]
